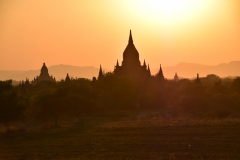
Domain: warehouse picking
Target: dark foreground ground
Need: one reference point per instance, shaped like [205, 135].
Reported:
[133, 138]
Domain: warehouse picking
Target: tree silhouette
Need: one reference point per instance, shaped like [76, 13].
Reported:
[12, 104]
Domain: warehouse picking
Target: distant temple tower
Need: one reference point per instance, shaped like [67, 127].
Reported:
[44, 76]
[160, 74]
[176, 77]
[67, 79]
[197, 80]
[131, 65]
[100, 74]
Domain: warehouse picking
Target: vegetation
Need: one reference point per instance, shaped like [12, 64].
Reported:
[12, 104]
[81, 97]
[118, 117]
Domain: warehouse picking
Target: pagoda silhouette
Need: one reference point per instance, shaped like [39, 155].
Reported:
[44, 76]
[131, 66]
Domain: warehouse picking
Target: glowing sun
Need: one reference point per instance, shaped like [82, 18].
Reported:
[168, 11]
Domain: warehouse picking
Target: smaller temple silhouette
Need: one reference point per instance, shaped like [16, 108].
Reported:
[44, 76]
[176, 78]
[67, 79]
[159, 75]
[197, 80]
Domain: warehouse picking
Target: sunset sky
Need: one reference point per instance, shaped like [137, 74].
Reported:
[94, 32]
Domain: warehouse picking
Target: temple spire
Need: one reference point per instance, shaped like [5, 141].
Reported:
[160, 73]
[100, 75]
[117, 65]
[130, 41]
[144, 64]
[149, 70]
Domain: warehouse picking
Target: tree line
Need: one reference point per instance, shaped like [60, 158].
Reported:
[83, 97]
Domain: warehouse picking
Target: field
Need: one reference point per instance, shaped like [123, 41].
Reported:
[143, 137]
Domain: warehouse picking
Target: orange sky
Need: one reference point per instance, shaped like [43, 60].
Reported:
[94, 32]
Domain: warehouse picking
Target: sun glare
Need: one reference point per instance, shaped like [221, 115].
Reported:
[168, 11]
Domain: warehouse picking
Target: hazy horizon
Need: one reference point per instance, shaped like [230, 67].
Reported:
[183, 69]
[112, 68]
